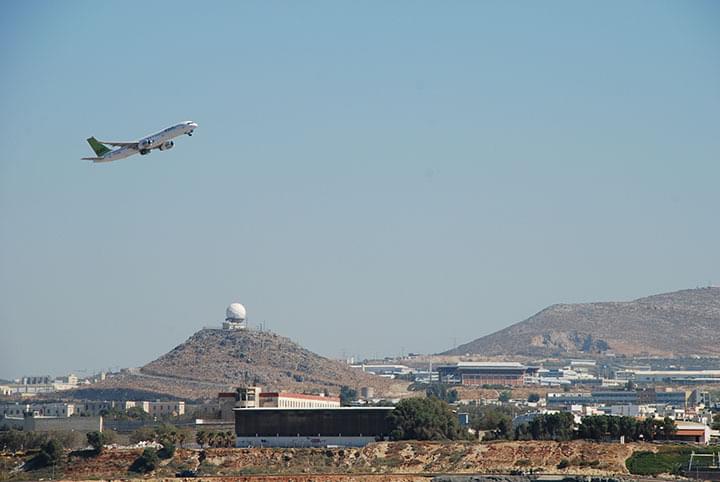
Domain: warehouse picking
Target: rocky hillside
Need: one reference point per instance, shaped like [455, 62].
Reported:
[682, 323]
[255, 357]
[380, 462]
[214, 360]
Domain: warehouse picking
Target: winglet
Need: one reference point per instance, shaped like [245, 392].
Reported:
[99, 148]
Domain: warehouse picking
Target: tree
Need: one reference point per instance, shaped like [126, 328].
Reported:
[504, 428]
[424, 419]
[69, 439]
[183, 435]
[97, 441]
[167, 451]
[15, 440]
[668, 428]
[533, 398]
[489, 417]
[347, 395]
[522, 432]
[201, 437]
[601, 427]
[50, 454]
[229, 438]
[147, 462]
[143, 434]
[137, 413]
[716, 421]
[552, 426]
[166, 432]
[505, 396]
[212, 438]
[440, 390]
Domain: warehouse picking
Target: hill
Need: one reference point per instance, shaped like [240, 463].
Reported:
[682, 323]
[213, 360]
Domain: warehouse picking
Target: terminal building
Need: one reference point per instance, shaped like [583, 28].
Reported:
[670, 376]
[311, 427]
[487, 373]
[254, 397]
[678, 399]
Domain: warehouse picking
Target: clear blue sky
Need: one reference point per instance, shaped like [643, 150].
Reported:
[368, 177]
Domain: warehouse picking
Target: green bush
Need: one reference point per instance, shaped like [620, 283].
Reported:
[167, 451]
[50, 454]
[98, 440]
[147, 462]
[17, 440]
[564, 463]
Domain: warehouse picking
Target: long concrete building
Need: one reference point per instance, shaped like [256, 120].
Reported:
[486, 373]
[254, 397]
[678, 399]
[91, 408]
[669, 376]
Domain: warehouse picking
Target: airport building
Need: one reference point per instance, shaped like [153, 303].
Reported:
[311, 427]
[254, 397]
[486, 373]
[619, 397]
[669, 376]
[30, 386]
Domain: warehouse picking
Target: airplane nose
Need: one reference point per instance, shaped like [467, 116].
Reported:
[194, 125]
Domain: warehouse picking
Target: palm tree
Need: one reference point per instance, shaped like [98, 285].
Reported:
[181, 438]
[229, 439]
[201, 438]
[212, 439]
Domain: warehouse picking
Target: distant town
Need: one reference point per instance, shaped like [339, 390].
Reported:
[625, 400]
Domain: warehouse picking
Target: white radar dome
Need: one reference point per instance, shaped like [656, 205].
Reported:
[235, 312]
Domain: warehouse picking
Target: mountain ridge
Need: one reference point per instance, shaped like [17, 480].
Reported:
[679, 323]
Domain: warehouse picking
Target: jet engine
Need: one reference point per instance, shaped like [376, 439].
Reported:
[166, 145]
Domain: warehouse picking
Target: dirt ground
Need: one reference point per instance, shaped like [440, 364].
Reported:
[409, 459]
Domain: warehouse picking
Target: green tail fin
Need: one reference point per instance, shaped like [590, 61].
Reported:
[100, 149]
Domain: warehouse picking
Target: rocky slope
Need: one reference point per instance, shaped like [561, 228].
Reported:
[414, 460]
[214, 360]
[682, 323]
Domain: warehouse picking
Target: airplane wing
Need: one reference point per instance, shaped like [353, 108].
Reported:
[121, 144]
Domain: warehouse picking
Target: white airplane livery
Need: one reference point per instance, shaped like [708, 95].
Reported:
[162, 140]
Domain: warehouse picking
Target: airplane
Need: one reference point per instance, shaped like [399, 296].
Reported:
[161, 140]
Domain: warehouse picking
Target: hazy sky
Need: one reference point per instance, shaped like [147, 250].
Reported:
[368, 177]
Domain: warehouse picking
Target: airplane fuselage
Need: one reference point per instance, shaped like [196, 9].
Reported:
[117, 154]
[160, 139]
